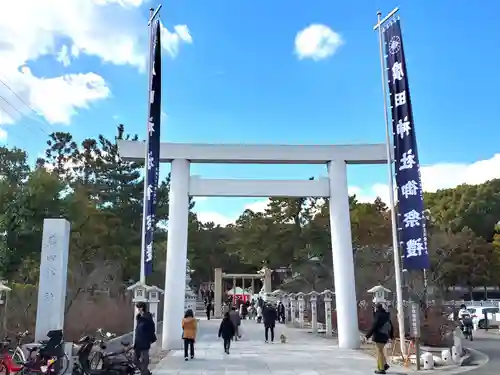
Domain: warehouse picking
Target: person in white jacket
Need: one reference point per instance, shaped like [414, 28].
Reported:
[463, 312]
[259, 314]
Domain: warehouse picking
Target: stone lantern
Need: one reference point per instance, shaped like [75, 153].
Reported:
[189, 296]
[380, 294]
[140, 295]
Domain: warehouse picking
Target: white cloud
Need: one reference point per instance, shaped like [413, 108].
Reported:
[221, 219]
[66, 94]
[114, 31]
[369, 195]
[214, 217]
[172, 40]
[439, 176]
[317, 42]
[3, 135]
[258, 206]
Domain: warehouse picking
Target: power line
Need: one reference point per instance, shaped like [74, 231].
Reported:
[36, 118]
[20, 113]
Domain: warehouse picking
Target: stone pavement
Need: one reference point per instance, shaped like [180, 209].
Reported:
[303, 354]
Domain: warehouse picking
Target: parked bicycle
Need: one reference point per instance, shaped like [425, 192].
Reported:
[42, 356]
[7, 364]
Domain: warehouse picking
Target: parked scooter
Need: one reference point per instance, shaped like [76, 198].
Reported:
[113, 363]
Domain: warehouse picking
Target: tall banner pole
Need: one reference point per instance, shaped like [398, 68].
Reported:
[395, 241]
[411, 219]
[151, 157]
[142, 278]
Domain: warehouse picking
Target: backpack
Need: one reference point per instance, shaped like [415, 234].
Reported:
[386, 328]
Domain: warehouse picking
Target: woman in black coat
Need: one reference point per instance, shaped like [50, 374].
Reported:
[381, 332]
[226, 331]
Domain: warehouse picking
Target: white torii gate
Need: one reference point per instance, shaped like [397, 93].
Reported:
[334, 187]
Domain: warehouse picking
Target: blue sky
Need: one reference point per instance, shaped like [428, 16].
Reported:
[240, 81]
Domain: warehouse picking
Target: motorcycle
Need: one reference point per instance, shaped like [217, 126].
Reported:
[113, 363]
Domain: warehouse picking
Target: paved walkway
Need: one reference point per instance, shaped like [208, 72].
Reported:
[303, 354]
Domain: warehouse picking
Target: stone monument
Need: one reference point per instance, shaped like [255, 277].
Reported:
[53, 277]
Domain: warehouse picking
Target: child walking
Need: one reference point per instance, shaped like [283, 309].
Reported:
[226, 331]
[189, 328]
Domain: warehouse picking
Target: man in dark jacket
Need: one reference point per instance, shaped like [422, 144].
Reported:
[269, 316]
[235, 318]
[208, 309]
[145, 335]
[381, 332]
[227, 331]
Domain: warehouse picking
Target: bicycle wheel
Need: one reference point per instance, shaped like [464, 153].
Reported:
[63, 364]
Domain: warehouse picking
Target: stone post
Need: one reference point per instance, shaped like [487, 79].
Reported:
[314, 311]
[267, 279]
[154, 299]
[286, 303]
[234, 291]
[243, 286]
[218, 293]
[328, 312]
[292, 308]
[4, 297]
[300, 297]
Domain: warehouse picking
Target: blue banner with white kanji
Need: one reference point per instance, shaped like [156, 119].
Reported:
[153, 145]
[412, 232]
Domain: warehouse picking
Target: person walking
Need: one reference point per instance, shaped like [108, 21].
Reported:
[236, 320]
[208, 309]
[145, 335]
[281, 312]
[259, 314]
[189, 329]
[381, 332]
[269, 315]
[227, 331]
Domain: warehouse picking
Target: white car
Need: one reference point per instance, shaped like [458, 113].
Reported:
[477, 314]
